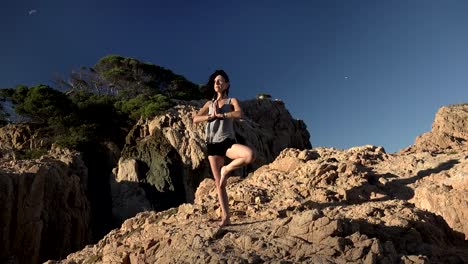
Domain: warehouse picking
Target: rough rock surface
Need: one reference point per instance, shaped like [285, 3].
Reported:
[267, 127]
[21, 137]
[436, 161]
[44, 212]
[436, 183]
[319, 205]
[310, 206]
[172, 148]
[449, 131]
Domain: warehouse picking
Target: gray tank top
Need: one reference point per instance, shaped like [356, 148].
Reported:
[220, 129]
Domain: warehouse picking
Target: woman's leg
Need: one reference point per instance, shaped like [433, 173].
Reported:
[216, 162]
[240, 155]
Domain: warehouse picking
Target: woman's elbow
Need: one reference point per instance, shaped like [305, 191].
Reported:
[194, 118]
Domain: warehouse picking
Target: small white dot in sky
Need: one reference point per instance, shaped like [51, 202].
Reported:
[346, 77]
[32, 11]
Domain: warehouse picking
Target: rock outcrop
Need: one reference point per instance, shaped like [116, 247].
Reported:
[322, 205]
[44, 212]
[437, 162]
[21, 137]
[269, 128]
[310, 206]
[449, 131]
[165, 157]
[51, 206]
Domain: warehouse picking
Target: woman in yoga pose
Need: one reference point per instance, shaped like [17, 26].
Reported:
[220, 137]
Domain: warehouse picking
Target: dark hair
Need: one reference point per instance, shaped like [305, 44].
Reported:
[210, 85]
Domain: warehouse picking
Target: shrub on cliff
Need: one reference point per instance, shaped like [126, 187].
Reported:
[42, 103]
[143, 106]
[95, 119]
[100, 102]
[131, 78]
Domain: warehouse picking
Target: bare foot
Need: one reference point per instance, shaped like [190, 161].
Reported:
[223, 174]
[224, 222]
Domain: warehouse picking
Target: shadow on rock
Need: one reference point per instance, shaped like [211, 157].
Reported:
[389, 186]
[430, 237]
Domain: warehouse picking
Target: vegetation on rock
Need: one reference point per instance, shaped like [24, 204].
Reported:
[99, 103]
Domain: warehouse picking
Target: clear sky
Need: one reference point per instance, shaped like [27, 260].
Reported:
[357, 72]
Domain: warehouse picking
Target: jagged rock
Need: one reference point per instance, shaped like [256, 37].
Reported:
[267, 136]
[149, 168]
[44, 212]
[449, 131]
[329, 206]
[161, 166]
[445, 192]
[436, 165]
[279, 130]
[437, 183]
[320, 205]
[22, 137]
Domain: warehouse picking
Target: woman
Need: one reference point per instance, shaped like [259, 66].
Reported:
[220, 137]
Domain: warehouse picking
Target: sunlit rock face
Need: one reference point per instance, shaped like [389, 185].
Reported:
[321, 205]
[307, 206]
[449, 131]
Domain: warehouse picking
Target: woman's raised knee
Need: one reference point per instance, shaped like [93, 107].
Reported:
[249, 157]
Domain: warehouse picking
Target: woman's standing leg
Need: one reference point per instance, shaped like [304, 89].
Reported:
[216, 162]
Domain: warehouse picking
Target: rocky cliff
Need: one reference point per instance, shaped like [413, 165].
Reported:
[445, 189]
[310, 206]
[50, 206]
[44, 212]
[449, 131]
[320, 205]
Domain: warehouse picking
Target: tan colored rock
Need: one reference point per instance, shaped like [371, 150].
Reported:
[21, 137]
[127, 170]
[359, 205]
[446, 194]
[330, 206]
[267, 136]
[449, 131]
[44, 210]
[437, 183]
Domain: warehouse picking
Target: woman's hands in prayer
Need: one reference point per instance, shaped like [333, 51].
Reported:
[216, 111]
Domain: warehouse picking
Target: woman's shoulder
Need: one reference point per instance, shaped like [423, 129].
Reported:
[207, 103]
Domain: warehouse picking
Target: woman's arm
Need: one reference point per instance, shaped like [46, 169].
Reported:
[202, 114]
[237, 113]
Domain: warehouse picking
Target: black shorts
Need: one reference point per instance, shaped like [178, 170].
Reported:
[219, 149]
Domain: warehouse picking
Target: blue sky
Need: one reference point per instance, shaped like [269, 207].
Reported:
[357, 72]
